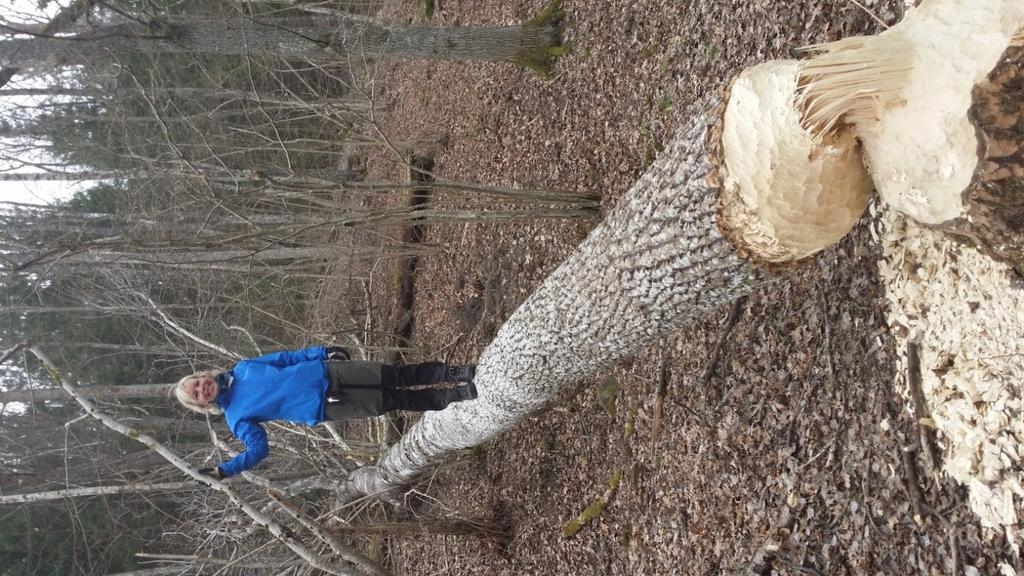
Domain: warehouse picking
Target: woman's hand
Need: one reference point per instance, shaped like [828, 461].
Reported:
[214, 472]
[337, 353]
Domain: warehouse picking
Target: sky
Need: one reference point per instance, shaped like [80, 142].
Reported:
[14, 11]
[36, 192]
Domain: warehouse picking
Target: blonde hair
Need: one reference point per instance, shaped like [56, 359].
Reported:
[186, 399]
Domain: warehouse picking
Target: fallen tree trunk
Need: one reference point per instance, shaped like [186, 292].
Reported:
[743, 195]
[657, 262]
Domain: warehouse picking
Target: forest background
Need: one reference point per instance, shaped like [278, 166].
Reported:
[241, 200]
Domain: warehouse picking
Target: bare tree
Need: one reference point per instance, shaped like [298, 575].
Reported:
[61, 21]
[94, 392]
[532, 43]
[96, 491]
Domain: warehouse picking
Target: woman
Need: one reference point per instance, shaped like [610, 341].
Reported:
[309, 386]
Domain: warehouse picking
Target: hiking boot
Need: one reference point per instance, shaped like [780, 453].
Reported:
[466, 392]
[461, 373]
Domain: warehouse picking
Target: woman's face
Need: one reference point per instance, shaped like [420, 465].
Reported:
[202, 390]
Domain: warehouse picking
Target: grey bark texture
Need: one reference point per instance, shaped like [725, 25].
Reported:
[49, 495]
[655, 264]
[61, 21]
[287, 39]
[92, 392]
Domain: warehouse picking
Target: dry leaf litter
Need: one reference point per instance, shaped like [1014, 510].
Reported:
[784, 460]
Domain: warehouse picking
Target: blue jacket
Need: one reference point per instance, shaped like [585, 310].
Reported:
[288, 385]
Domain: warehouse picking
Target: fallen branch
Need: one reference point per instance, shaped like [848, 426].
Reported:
[595, 509]
[911, 482]
[923, 416]
[175, 327]
[433, 526]
[342, 550]
[191, 559]
[716, 353]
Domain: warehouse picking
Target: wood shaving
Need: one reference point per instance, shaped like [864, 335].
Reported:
[966, 312]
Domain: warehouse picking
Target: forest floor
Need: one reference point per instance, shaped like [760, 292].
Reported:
[788, 457]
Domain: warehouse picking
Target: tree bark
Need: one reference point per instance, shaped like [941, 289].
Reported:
[657, 262]
[994, 202]
[289, 39]
[93, 392]
[98, 491]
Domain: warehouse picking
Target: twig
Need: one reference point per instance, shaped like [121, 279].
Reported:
[870, 13]
[659, 402]
[333, 431]
[175, 327]
[931, 450]
[193, 560]
[342, 550]
[595, 509]
[912, 483]
[954, 552]
[716, 352]
[761, 560]
[827, 331]
[17, 348]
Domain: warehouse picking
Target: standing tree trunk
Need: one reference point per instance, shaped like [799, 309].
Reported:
[740, 197]
[530, 44]
[92, 392]
[62, 20]
[98, 491]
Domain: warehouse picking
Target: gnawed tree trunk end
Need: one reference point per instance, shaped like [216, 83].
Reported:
[994, 202]
[935, 101]
[787, 193]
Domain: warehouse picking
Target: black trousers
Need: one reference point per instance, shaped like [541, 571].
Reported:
[361, 389]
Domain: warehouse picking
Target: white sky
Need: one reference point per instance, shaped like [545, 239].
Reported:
[15, 11]
[36, 192]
